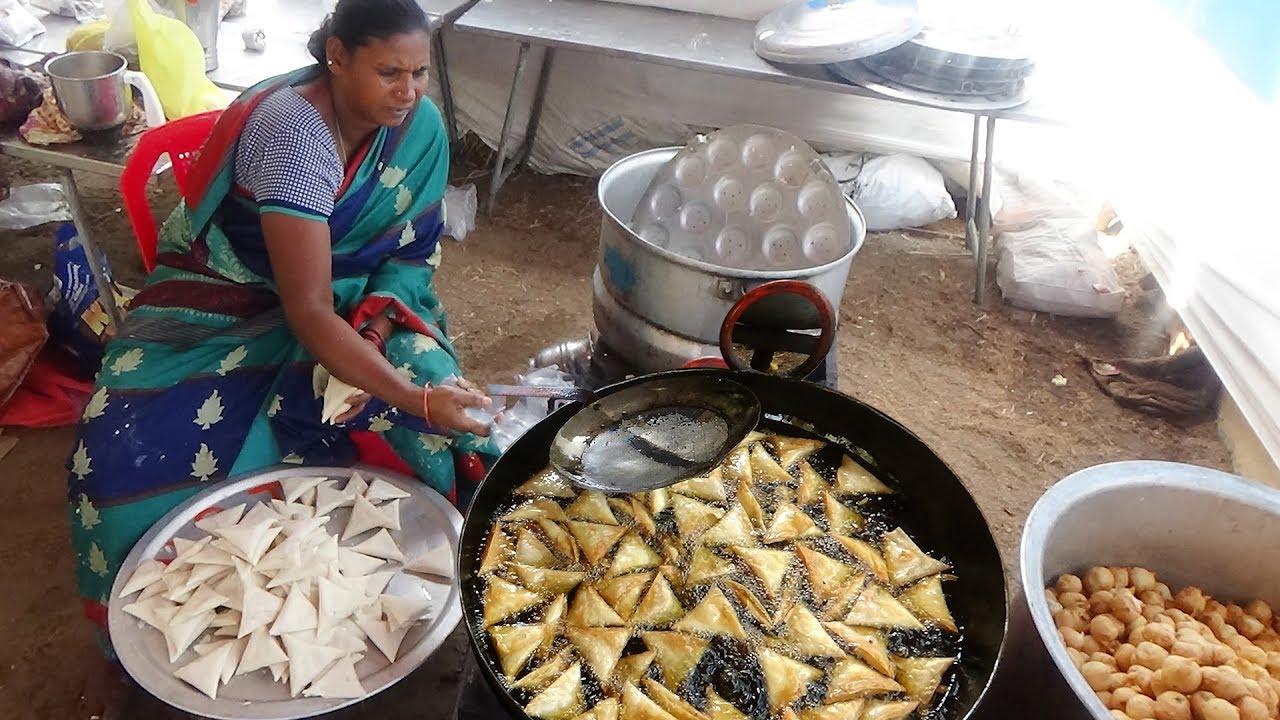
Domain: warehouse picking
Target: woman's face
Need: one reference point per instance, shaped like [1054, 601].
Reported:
[383, 79]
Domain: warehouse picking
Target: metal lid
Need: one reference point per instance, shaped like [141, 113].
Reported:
[819, 32]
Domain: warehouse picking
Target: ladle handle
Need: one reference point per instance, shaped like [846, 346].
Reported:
[818, 347]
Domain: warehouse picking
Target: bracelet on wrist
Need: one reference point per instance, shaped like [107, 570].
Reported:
[426, 397]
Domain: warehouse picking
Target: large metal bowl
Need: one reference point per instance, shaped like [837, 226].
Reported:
[1188, 524]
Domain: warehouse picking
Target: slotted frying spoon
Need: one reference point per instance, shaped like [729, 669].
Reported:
[651, 435]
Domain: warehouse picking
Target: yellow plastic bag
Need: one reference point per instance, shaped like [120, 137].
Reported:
[172, 59]
[88, 37]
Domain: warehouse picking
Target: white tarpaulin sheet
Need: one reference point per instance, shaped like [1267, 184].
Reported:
[1157, 125]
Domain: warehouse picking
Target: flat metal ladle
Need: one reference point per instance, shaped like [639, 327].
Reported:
[655, 433]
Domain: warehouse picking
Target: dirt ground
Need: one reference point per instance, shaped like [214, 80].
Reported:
[974, 382]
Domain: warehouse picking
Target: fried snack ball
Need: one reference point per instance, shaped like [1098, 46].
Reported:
[1119, 715]
[1098, 675]
[1071, 637]
[1150, 655]
[1173, 706]
[1069, 584]
[1098, 578]
[1181, 674]
[1121, 577]
[1140, 707]
[1260, 610]
[1142, 579]
[1125, 606]
[1224, 682]
[1190, 599]
[1125, 656]
[1218, 709]
[1120, 697]
[1252, 709]
[1106, 630]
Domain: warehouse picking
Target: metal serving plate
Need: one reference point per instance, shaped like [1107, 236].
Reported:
[426, 518]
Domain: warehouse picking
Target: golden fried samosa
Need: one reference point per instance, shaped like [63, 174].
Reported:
[592, 506]
[732, 529]
[922, 676]
[596, 540]
[659, 607]
[633, 554]
[928, 602]
[790, 523]
[853, 479]
[496, 551]
[764, 469]
[852, 679]
[907, 562]
[547, 483]
[805, 634]
[638, 706]
[786, 680]
[841, 519]
[867, 643]
[866, 554]
[624, 593]
[812, 486]
[515, 644]
[828, 577]
[547, 581]
[590, 610]
[713, 616]
[710, 487]
[532, 551]
[876, 607]
[537, 510]
[561, 699]
[706, 566]
[503, 599]
[669, 701]
[600, 647]
[768, 565]
[545, 673]
[792, 450]
[677, 654]
[693, 516]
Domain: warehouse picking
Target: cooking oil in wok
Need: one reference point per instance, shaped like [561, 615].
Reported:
[731, 665]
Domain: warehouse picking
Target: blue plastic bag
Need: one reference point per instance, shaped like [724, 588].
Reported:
[78, 323]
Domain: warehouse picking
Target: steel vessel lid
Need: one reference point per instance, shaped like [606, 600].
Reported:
[819, 32]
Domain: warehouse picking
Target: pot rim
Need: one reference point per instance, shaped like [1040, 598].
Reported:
[124, 65]
[859, 235]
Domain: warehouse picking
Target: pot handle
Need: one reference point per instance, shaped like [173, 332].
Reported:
[761, 357]
[150, 100]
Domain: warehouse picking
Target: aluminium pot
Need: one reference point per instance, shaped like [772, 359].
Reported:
[941, 514]
[660, 309]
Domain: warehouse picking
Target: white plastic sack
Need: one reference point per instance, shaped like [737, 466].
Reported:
[957, 172]
[1058, 267]
[894, 191]
[459, 211]
[82, 11]
[17, 25]
[31, 205]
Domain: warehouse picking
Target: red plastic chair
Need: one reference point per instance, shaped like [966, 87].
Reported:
[179, 139]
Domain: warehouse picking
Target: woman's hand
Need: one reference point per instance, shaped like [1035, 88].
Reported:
[447, 404]
[357, 403]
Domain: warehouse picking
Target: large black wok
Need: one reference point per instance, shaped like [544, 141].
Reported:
[939, 513]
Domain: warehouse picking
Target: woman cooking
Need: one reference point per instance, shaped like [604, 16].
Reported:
[309, 235]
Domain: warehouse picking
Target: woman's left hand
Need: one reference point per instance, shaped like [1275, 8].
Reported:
[357, 403]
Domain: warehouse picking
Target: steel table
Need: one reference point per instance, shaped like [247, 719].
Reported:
[695, 42]
[288, 24]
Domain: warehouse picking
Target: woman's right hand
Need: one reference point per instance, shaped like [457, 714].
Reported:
[447, 404]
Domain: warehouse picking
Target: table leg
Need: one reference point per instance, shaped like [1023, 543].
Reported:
[501, 171]
[984, 214]
[95, 257]
[446, 91]
[971, 206]
[495, 182]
